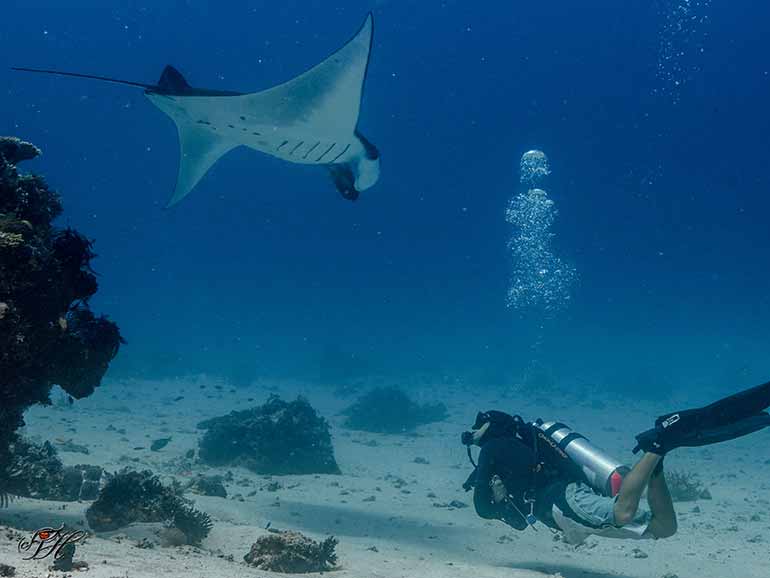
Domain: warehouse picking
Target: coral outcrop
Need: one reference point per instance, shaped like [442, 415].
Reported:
[276, 438]
[292, 553]
[390, 410]
[131, 496]
[48, 334]
[35, 471]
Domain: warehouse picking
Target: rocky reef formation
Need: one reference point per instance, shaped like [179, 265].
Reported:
[35, 471]
[48, 334]
[276, 438]
[131, 496]
[390, 410]
[292, 553]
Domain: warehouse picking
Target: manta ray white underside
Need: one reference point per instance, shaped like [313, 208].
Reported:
[311, 119]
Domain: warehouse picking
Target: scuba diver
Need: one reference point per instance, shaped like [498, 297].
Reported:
[544, 471]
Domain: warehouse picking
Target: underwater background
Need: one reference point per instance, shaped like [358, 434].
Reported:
[653, 115]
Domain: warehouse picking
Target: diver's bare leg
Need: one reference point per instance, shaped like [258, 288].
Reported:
[627, 502]
[663, 523]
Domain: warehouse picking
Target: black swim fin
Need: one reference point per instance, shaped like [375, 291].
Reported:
[732, 417]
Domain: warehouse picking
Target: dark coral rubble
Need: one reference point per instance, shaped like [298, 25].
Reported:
[292, 553]
[48, 334]
[130, 497]
[35, 471]
[208, 486]
[276, 438]
[193, 524]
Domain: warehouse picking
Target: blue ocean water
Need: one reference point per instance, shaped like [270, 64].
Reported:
[653, 115]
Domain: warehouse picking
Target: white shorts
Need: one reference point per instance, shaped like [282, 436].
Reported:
[594, 515]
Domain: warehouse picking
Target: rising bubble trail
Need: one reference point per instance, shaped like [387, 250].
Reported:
[540, 279]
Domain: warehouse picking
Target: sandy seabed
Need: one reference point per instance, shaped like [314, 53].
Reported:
[392, 515]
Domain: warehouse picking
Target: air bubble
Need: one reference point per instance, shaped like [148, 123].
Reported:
[534, 167]
[539, 279]
[682, 34]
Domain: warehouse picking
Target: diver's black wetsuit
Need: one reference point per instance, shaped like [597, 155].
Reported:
[512, 461]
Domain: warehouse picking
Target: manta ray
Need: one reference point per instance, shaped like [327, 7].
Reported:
[311, 119]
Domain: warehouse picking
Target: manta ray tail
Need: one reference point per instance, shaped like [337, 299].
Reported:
[80, 75]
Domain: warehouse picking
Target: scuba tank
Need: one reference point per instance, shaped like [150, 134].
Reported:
[603, 473]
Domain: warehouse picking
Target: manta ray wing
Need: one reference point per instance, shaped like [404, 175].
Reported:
[198, 151]
[326, 99]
